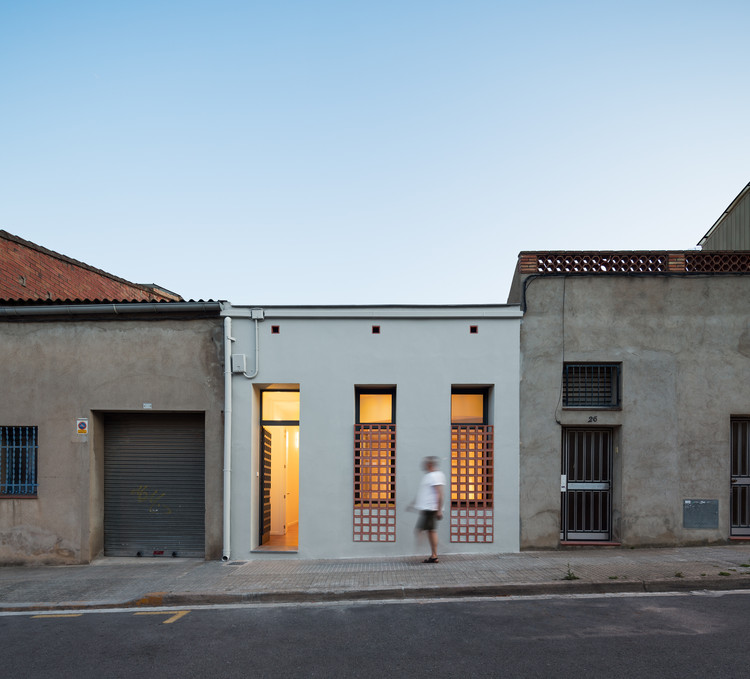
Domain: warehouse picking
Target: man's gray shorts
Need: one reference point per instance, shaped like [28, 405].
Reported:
[426, 520]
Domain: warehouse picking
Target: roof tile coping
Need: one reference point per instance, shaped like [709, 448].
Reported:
[159, 292]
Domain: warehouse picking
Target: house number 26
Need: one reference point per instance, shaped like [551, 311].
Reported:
[592, 418]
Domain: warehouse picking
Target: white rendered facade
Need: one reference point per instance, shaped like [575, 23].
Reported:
[327, 354]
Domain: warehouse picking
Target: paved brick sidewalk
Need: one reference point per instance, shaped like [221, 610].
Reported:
[133, 582]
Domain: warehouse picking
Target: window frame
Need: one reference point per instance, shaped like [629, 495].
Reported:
[483, 391]
[359, 391]
[266, 422]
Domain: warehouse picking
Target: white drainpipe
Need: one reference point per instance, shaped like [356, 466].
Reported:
[228, 339]
[256, 315]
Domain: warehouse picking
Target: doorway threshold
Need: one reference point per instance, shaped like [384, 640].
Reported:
[589, 543]
[273, 550]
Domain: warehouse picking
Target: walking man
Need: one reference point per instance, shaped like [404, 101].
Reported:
[429, 502]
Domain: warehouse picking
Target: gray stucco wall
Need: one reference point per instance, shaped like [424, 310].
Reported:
[327, 354]
[55, 372]
[684, 345]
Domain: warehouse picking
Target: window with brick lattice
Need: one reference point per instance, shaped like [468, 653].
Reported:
[472, 467]
[374, 510]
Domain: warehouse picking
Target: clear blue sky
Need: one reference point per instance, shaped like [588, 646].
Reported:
[337, 152]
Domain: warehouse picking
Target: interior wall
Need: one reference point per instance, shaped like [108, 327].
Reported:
[292, 484]
[278, 480]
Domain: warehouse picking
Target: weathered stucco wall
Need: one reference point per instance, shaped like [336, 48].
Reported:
[684, 344]
[328, 356]
[55, 372]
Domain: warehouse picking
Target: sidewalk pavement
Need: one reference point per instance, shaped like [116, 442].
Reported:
[132, 582]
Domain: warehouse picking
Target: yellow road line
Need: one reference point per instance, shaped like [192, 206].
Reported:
[58, 615]
[173, 617]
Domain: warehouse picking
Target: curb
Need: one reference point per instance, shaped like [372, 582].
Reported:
[185, 599]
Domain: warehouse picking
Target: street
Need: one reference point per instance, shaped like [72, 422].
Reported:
[671, 635]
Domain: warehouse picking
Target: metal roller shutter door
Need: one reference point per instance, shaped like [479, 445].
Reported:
[154, 489]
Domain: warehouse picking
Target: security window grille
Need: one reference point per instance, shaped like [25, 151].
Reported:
[591, 385]
[18, 460]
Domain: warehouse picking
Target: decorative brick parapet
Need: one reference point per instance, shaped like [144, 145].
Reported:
[717, 262]
[619, 262]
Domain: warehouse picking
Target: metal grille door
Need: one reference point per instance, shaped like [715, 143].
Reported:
[740, 445]
[586, 485]
[154, 497]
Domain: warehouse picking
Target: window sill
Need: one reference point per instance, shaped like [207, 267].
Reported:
[592, 407]
[19, 497]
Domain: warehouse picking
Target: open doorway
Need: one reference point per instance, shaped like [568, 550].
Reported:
[279, 470]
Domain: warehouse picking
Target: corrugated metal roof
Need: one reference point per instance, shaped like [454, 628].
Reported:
[740, 228]
[36, 309]
[71, 302]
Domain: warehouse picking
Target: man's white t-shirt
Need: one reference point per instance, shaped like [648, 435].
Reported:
[427, 495]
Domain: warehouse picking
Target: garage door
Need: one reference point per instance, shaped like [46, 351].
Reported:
[154, 468]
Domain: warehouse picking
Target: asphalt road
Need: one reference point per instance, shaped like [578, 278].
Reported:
[684, 635]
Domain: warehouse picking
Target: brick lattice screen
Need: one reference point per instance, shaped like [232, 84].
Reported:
[597, 262]
[472, 483]
[374, 483]
[717, 262]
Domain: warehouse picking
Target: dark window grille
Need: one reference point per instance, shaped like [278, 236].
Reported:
[591, 385]
[18, 461]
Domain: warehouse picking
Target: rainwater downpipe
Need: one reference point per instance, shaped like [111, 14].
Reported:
[228, 339]
[256, 315]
